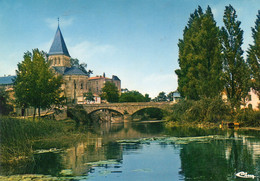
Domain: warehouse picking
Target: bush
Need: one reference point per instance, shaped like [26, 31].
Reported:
[248, 117]
[204, 110]
[79, 114]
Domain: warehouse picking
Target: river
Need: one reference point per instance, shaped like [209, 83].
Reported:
[150, 151]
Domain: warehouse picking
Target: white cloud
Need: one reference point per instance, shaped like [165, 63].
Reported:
[53, 22]
[90, 51]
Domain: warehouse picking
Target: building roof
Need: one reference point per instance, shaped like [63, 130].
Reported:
[74, 71]
[97, 77]
[58, 46]
[60, 69]
[7, 80]
[114, 77]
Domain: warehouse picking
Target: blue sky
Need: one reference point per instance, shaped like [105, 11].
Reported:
[133, 39]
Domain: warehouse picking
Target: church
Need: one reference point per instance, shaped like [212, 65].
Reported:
[75, 81]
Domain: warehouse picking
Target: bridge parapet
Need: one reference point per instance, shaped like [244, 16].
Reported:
[127, 108]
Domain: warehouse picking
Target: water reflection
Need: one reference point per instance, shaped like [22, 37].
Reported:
[191, 155]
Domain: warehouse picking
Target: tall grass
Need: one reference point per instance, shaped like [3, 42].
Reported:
[18, 135]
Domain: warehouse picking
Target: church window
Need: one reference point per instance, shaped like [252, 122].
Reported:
[81, 86]
[58, 60]
[55, 61]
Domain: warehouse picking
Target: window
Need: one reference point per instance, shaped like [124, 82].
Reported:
[81, 86]
[249, 98]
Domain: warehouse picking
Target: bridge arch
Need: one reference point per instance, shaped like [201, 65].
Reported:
[126, 109]
[96, 110]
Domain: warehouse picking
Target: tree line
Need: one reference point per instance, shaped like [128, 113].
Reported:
[211, 58]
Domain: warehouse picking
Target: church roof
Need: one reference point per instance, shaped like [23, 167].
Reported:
[74, 71]
[58, 46]
[9, 80]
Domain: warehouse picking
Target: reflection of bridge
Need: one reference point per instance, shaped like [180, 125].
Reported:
[127, 108]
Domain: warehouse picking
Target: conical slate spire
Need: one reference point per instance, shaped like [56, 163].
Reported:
[58, 46]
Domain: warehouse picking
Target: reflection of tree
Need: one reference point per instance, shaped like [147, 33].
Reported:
[47, 164]
[154, 128]
[148, 114]
[217, 160]
[204, 161]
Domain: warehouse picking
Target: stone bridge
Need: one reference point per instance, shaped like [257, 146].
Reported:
[127, 108]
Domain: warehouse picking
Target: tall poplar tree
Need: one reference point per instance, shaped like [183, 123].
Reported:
[253, 58]
[235, 69]
[199, 57]
[36, 85]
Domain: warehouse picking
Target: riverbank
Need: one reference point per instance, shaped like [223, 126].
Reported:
[21, 137]
[210, 113]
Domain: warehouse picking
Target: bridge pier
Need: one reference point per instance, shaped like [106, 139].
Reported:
[127, 117]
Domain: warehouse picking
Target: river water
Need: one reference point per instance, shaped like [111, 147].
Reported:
[150, 151]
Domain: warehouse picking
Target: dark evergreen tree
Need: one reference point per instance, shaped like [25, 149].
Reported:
[236, 74]
[253, 58]
[199, 57]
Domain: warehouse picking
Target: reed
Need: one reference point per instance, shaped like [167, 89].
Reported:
[18, 137]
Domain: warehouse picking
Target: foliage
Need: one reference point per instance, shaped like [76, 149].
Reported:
[82, 66]
[149, 114]
[170, 96]
[199, 57]
[5, 106]
[110, 92]
[236, 74]
[161, 97]
[204, 110]
[147, 98]
[253, 58]
[79, 114]
[89, 96]
[248, 117]
[36, 85]
[133, 96]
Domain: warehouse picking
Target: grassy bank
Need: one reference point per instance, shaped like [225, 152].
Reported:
[20, 137]
[209, 113]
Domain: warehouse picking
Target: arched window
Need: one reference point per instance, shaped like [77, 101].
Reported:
[81, 86]
[55, 61]
[59, 60]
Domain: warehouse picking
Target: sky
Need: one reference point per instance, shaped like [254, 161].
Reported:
[137, 40]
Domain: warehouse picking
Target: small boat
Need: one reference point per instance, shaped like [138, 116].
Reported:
[245, 175]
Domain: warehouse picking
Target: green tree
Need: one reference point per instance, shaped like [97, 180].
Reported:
[200, 57]
[170, 96]
[253, 58]
[236, 73]
[5, 106]
[133, 96]
[89, 96]
[147, 98]
[161, 97]
[36, 85]
[110, 92]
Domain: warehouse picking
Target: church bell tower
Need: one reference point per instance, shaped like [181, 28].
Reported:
[58, 55]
